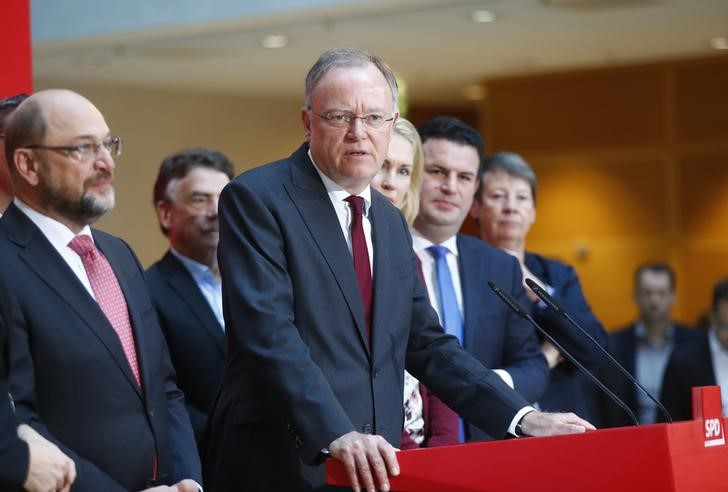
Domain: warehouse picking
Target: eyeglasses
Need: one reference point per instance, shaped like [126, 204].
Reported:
[344, 119]
[84, 151]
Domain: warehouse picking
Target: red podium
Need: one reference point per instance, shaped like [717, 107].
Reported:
[687, 456]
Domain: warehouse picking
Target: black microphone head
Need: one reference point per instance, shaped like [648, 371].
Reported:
[510, 301]
[545, 296]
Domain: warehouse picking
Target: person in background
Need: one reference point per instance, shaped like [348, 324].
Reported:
[7, 106]
[90, 369]
[701, 362]
[504, 210]
[185, 284]
[457, 267]
[428, 422]
[643, 348]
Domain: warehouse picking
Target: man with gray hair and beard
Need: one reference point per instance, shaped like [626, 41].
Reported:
[89, 368]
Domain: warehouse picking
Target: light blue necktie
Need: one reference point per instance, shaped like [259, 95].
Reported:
[451, 320]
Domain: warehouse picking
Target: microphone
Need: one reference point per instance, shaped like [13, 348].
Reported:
[554, 304]
[521, 311]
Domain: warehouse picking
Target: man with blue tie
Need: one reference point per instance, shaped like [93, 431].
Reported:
[185, 284]
[456, 267]
[324, 307]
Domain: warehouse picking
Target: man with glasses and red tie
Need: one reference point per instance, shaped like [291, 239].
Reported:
[324, 308]
[89, 366]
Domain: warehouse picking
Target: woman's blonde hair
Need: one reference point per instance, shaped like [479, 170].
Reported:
[411, 203]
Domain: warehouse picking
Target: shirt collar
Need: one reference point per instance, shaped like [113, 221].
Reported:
[199, 271]
[57, 233]
[641, 332]
[337, 194]
[421, 243]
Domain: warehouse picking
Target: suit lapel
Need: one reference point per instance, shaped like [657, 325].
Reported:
[43, 259]
[309, 196]
[381, 234]
[180, 280]
[475, 272]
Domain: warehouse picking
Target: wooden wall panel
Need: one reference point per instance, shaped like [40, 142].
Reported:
[701, 100]
[577, 111]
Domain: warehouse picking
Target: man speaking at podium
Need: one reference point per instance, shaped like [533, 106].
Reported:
[325, 308]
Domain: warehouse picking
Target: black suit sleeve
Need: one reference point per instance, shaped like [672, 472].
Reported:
[88, 476]
[14, 455]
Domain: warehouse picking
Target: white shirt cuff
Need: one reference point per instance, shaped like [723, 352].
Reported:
[505, 377]
[519, 415]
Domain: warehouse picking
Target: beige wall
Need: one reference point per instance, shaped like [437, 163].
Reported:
[155, 123]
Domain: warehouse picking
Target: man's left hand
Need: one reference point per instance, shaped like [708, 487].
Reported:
[551, 424]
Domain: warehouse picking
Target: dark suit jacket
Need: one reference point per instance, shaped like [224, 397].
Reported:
[493, 333]
[70, 377]
[195, 338]
[14, 455]
[691, 364]
[622, 345]
[301, 371]
[565, 390]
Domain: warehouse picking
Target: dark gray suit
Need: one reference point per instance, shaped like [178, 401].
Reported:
[195, 338]
[70, 377]
[301, 371]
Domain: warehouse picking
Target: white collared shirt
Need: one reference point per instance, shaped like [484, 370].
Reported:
[210, 285]
[420, 244]
[337, 195]
[59, 235]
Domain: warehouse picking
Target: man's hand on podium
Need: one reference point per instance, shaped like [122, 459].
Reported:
[551, 424]
[368, 460]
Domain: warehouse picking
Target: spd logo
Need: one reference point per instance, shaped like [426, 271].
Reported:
[714, 435]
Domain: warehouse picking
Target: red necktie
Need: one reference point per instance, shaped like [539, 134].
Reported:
[108, 295]
[361, 257]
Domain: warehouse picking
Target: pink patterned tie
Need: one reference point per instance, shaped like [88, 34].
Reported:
[108, 295]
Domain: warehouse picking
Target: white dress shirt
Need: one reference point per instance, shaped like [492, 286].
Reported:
[59, 235]
[420, 244]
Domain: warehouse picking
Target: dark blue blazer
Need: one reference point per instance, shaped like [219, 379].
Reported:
[195, 338]
[622, 345]
[14, 456]
[69, 375]
[301, 370]
[691, 364]
[493, 333]
[565, 391]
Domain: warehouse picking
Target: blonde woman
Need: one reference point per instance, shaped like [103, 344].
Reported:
[428, 422]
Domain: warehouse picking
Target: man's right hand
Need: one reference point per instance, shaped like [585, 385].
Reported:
[368, 460]
[50, 469]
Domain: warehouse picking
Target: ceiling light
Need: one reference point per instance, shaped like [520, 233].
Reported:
[481, 16]
[274, 41]
[719, 43]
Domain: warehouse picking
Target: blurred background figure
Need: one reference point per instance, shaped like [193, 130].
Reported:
[504, 210]
[701, 362]
[185, 284]
[7, 106]
[643, 347]
[428, 421]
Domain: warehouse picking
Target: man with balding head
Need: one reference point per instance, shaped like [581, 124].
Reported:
[89, 366]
